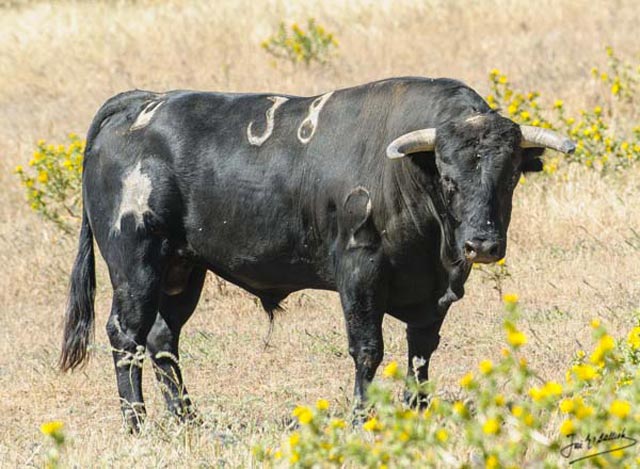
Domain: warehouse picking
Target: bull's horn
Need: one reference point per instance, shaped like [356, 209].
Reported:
[413, 142]
[537, 137]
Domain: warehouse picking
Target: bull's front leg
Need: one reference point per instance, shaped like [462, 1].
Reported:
[362, 285]
[422, 341]
[363, 297]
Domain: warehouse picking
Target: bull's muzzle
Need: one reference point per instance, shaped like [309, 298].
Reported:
[482, 251]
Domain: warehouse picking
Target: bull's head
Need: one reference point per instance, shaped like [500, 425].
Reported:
[479, 161]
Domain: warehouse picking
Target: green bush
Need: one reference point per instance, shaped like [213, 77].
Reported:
[510, 416]
[603, 139]
[53, 181]
[299, 46]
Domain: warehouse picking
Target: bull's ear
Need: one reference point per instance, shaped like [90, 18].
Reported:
[531, 160]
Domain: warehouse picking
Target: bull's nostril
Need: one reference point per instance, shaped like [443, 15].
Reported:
[493, 251]
[470, 249]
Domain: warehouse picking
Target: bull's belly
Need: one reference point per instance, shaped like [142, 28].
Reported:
[261, 265]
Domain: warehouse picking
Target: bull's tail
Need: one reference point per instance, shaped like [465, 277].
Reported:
[79, 318]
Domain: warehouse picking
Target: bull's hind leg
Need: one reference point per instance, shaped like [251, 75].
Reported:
[162, 342]
[135, 266]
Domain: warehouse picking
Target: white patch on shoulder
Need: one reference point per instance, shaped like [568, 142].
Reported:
[310, 123]
[145, 116]
[269, 115]
[136, 190]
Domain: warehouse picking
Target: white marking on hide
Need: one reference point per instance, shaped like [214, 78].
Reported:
[476, 120]
[310, 123]
[136, 190]
[145, 116]
[269, 115]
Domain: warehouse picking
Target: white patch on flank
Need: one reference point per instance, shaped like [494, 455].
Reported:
[145, 116]
[269, 115]
[311, 121]
[136, 190]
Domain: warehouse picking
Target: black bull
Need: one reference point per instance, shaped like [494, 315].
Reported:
[279, 193]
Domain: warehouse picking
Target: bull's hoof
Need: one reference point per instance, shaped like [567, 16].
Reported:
[134, 416]
[418, 401]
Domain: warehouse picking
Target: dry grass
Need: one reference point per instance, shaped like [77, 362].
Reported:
[574, 245]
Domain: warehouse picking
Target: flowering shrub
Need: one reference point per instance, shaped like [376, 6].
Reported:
[598, 132]
[297, 45]
[510, 415]
[53, 181]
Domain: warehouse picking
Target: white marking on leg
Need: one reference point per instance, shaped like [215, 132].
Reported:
[136, 190]
[269, 116]
[145, 116]
[310, 123]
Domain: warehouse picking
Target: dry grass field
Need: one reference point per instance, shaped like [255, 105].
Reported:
[574, 244]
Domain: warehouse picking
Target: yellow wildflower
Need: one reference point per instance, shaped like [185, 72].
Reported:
[615, 89]
[620, 408]
[337, 423]
[550, 389]
[43, 177]
[295, 457]
[442, 435]
[19, 169]
[51, 428]
[558, 103]
[529, 420]
[322, 404]
[502, 80]
[510, 298]
[605, 345]
[584, 372]
[499, 400]
[567, 406]
[595, 323]
[634, 338]
[583, 411]
[303, 414]
[516, 338]
[294, 439]
[517, 411]
[460, 409]
[372, 425]
[491, 426]
[567, 427]
[492, 462]
[467, 380]
[391, 370]
[486, 366]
